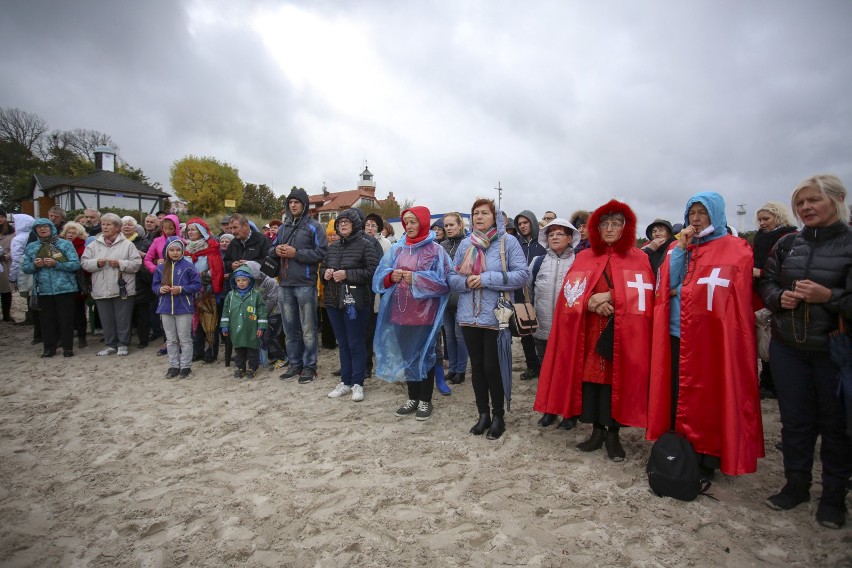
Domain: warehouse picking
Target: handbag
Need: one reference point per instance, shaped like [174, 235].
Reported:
[523, 320]
[82, 282]
[269, 266]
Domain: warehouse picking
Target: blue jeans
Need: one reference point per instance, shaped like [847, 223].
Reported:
[350, 342]
[455, 347]
[806, 382]
[299, 314]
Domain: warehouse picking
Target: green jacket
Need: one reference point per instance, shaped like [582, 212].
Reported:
[242, 316]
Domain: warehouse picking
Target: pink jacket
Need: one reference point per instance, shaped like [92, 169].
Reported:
[155, 252]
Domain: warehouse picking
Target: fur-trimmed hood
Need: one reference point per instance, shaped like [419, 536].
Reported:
[628, 236]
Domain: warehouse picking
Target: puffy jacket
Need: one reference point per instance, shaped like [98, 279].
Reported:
[23, 225]
[53, 280]
[547, 286]
[105, 278]
[494, 280]
[244, 314]
[183, 275]
[356, 254]
[155, 251]
[823, 255]
[308, 238]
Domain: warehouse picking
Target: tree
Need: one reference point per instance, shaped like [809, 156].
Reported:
[22, 127]
[387, 209]
[205, 183]
[259, 200]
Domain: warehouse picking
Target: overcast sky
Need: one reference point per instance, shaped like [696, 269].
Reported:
[566, 103]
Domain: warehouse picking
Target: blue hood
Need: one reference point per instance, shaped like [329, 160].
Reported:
[41, 222]
[243, 272]
[715, 205]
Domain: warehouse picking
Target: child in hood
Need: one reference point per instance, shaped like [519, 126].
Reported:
[244, 321]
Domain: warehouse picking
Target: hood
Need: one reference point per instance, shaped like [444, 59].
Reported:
[715, 205]
[41, 221]
[23, 223]
[168, 243]
[351, 215]
[533, 220]
[424, 216]
[658, 223]
[254, 267]
[242, 271]
[329, 228]
[376, 218]
[559, 221]
[628, 236]
[202, 227]
[579, 217]
[437, 223]
[174, 219]
[302, 196]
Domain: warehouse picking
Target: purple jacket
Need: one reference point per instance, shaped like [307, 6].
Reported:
[185, 276]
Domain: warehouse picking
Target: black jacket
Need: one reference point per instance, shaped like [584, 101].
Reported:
[356, 254]
[256, 247]
[823, 255]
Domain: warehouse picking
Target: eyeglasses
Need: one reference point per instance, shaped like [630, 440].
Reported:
[610, 224]
[548, 218]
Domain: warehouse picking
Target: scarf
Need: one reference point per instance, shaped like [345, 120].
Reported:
[49, 249]
[194, 248]
[473, 261]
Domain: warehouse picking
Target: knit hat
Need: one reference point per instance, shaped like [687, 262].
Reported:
[377, 219]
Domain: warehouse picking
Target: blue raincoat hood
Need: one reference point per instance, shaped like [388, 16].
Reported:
[715, 205]
[41, 221]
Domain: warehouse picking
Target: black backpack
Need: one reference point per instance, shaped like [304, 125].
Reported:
[673, 469]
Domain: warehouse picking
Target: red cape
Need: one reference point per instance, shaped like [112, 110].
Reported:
[718, 407]
[561, 379]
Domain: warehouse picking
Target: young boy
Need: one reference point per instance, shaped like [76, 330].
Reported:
[175, 283]
[243, 320]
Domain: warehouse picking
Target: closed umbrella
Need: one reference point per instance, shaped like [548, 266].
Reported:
[503, 312]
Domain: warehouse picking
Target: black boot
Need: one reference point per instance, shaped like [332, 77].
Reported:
[458, 378]
[767, 385]
[481, 426]
[794, 493]
[595, 441]
[831, 512]
[449, 376]
[497, 427]
[567, 423]
[546, 420]
[614, 450]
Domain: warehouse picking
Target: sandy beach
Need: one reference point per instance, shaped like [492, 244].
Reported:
[106, 463]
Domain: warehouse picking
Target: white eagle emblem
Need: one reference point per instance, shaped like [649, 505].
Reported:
[575, 291]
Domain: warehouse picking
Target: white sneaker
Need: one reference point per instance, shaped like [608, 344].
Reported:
[122, 350]
[357, 393]
[340, 390]
[107, 351]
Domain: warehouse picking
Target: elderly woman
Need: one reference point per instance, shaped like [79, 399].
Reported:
[660, 237]
[598, 360]
[205, 254]
[773, 221]
[455, 347]
[412, 280]
[113, 262]
[53, 261]
[76, 234]
[703, 378]
[348, 271]
[144, 296]
[488, 264]
[547, 272]
[807, 285]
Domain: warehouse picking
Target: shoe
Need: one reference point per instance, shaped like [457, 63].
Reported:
[239, 374]
[796, 491]
[106, 351]
[162, 351]
[208, 356]
[340, 390]
[336, 373]
[122, 351]
[482, 425]
[529, 375]
[291, 372]
[831, 512]
[441, 382]
[67, 353]
[593, 442]
[172, 372]
[458, 378]
[35, 341]
[197, 357]
[449, 376]
[498, 426]
[142, 344]
[767, 394]
[706, 473]
[81, 342]
[307, 376]
[48, 353]
[614, 449]
[184, 373]
[357, 393]
[546, 420]
[424, 411]
[251, 373]
[281, 364]
[779, 446]
[567, 424]
[410, 407]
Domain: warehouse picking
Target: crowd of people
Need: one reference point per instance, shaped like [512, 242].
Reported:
[666, 336]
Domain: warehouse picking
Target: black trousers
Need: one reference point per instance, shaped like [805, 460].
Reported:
[485, 369]
[6, 298]
[142, 320]
[80, 320]
[57, 320]
[528, 343]
[422, 390]
[243, 355]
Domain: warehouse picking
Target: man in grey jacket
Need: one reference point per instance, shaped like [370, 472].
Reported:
[300, 246]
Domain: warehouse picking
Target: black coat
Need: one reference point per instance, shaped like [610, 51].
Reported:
[356, 255]
[822, 255]
[255, 248]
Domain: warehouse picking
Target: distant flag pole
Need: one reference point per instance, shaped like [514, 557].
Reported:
[499, 196]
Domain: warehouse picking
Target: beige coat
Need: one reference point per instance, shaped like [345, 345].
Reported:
[105, 279]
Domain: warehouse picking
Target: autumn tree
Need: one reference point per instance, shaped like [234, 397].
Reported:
[205, 183]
